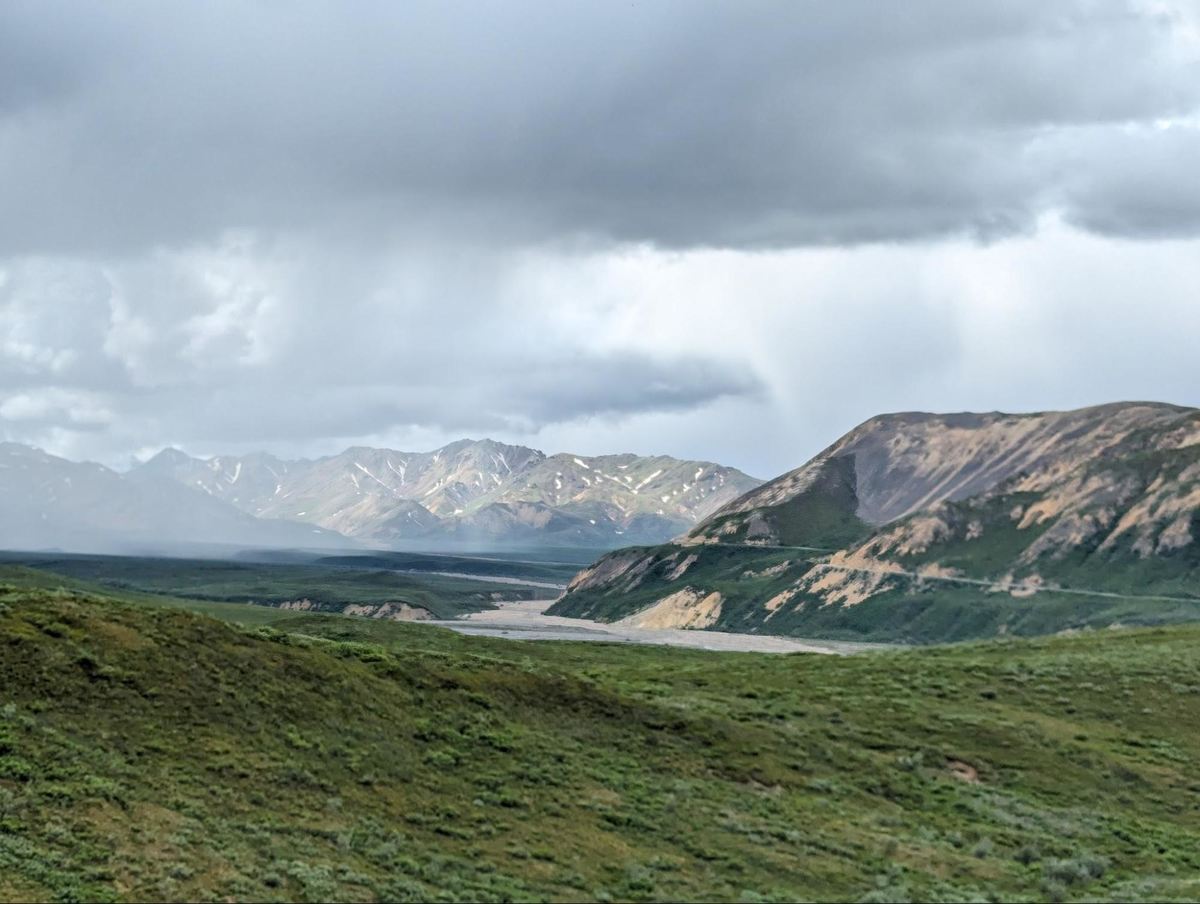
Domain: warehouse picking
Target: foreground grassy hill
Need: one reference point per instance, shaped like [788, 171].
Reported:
[152, 753]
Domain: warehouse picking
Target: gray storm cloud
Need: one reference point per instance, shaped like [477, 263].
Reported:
[261, 223]
[725, 124]
[231, 343]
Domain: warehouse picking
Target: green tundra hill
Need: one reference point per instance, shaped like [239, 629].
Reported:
[152, 753]
[763, 592]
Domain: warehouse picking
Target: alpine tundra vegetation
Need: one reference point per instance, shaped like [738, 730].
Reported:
[149, 753]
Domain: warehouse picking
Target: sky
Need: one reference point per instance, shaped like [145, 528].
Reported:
[719, 230]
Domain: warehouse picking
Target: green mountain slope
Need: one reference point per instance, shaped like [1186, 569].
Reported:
[151, 754]
[821, 513]
[1126, 523]
[983, 524]
[792, 592]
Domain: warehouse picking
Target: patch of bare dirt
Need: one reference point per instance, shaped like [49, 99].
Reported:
[964, 772]
[685, 608]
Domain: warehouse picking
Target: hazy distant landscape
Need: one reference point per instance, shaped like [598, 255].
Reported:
[912, 528]
[301, 725]
[467, 495]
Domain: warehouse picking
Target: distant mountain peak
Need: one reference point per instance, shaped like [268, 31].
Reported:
[167, 457]
[472, 490]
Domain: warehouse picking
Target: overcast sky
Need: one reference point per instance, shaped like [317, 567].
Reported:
[720, 230]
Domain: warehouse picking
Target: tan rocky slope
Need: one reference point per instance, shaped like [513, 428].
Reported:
[472, 491]
[904, 463]
[950, 511]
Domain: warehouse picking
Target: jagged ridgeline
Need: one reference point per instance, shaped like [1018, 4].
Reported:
[469, 492]
[924, 527]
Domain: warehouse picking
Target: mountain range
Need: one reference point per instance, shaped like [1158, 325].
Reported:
[913, 526]
[919, 526]
[467, 494]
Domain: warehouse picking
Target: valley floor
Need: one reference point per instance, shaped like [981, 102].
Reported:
[527, 620]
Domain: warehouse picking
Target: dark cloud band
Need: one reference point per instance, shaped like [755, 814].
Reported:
[728, 124]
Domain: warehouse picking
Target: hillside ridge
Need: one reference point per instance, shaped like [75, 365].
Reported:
[1104, 498]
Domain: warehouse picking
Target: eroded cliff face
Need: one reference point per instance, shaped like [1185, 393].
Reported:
[1125, 506]
[685, 608]
[967, 504]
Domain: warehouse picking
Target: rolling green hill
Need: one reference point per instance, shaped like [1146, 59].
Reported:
[148, 753]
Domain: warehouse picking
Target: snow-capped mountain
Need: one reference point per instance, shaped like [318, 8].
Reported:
[469, 491]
